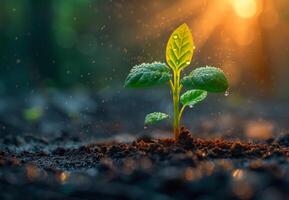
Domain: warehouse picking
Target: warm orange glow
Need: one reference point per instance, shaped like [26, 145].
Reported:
[63, 177]
[245, 8]
[233, 34]
[261, 130]
[238, 174]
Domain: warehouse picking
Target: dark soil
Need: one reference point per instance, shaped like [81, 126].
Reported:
[86, 145]
[149, 169]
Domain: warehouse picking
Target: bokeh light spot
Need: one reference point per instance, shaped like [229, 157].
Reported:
[245, 8]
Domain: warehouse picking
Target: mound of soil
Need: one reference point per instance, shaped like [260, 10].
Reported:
[149, 169]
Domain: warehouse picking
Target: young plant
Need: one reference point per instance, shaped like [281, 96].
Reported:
[179, 53]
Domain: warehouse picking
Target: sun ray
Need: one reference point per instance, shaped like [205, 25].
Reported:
[204, 25]
[245, 8]
[235, 27]
[170, 17]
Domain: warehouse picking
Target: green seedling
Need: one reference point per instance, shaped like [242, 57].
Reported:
[179, 53]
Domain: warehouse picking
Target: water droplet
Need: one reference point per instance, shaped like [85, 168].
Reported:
[175, 37]
[227, 93]
[103, 27]
[191, 106]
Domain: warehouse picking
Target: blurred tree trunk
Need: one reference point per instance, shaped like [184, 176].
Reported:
[41, 43]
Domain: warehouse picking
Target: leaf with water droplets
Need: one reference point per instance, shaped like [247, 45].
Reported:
[180, 48]
[146, 75]
[155, 117]
[210, 79]
[193, 97]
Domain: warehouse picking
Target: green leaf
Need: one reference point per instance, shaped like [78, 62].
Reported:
[210, 79]
[180, 48]
[193, 97]
[155, 117]
[146, 75]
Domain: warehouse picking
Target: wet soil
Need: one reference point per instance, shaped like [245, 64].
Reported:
[85, 145]
[150, 168]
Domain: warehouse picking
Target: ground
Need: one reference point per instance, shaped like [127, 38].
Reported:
[82, 145]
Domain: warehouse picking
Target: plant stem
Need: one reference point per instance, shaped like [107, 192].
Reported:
[181, 112]
[176, 89]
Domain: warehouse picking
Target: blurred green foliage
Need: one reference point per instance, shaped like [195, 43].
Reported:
[32, 114]
[57, 43]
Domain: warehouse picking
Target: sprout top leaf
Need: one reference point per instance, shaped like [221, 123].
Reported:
[180, 48]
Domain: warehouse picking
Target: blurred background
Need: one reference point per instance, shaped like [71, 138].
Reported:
[90, 45]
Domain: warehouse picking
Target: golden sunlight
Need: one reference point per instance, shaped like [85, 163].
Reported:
[245, 8]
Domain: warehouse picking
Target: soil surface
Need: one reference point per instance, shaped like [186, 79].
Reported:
[82, 145]
[150, 169]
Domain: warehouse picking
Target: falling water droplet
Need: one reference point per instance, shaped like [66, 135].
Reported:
[227, 93]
